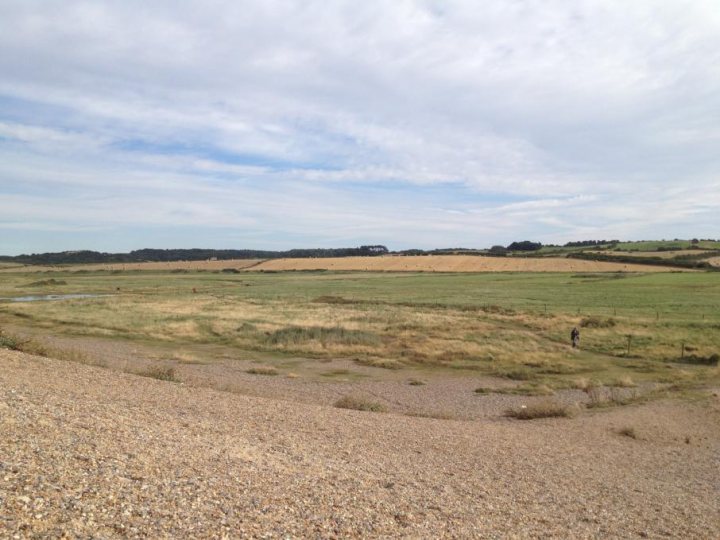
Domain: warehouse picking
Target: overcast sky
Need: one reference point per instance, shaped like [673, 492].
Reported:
[269, 124]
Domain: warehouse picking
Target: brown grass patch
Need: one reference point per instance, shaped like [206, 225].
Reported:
[262, 370]
[627, 431]
[359, 404]
[542, 409]
[161, 373]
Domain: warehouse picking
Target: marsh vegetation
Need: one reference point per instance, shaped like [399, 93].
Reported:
[636, 328]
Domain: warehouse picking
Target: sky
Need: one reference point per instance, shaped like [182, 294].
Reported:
[414, 124]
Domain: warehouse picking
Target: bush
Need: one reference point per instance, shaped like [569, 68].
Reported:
[47, 283]
[162, 373]
[709, 360]
[359, 404]
[542, 409]
[262, 370]
[628, 432]
[9, 342]
[519, 374]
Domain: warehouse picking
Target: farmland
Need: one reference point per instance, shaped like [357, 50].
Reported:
[433, 263]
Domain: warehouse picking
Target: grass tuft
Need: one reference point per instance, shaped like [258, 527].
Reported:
[161, 373]
[9, 342]
[359, 404]
[628, 431]
[542, 409]
[263, 370]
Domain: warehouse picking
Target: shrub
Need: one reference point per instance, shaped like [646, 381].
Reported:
[627, 432]
[709, 360]
[416, 382]
[262, 370]
[47, 283]
[518, 374]
[359, 404]
[542, 409]
[9, 342]
[162, 373]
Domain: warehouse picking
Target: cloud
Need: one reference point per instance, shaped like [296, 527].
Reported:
[414, 123]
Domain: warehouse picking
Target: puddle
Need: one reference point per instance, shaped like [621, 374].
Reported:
[45, 297]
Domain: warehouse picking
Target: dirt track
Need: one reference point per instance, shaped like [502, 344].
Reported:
[91, 452]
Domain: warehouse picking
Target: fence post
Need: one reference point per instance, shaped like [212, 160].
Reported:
[628, 346]
[682, 350]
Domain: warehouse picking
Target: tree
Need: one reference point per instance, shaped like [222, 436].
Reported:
[525, 245]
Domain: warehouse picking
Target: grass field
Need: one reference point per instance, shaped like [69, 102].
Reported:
[655, 245]
[510, 325]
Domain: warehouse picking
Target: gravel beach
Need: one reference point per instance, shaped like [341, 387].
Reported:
[88, 452]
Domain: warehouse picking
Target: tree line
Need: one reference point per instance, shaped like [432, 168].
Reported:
[166, 255]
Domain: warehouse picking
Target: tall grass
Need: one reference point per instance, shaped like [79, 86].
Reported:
[336, 335]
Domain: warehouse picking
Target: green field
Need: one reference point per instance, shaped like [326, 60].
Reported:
[511, 325]
[655, 245]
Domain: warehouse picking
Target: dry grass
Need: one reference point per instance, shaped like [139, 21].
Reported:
[155, 266]
[542, 409]
[162, 373]
[597, 322]
[624, 382]
[437, 415]
[627, 431]
[385, 363]
[452, 263]
[359, 404]
[263, 370]
[610, 396]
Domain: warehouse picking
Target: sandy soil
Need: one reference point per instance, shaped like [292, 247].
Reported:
[454, 263]
[90, 452]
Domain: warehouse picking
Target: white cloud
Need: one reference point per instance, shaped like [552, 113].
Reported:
[583, 115]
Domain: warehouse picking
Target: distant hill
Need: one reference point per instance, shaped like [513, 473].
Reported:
[598, 250]
[162, 255]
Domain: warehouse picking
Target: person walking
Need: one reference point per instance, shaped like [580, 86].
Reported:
[575, 337]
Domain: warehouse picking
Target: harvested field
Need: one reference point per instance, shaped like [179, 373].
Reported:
[237, 264]
[453, 263]
[88, 452]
